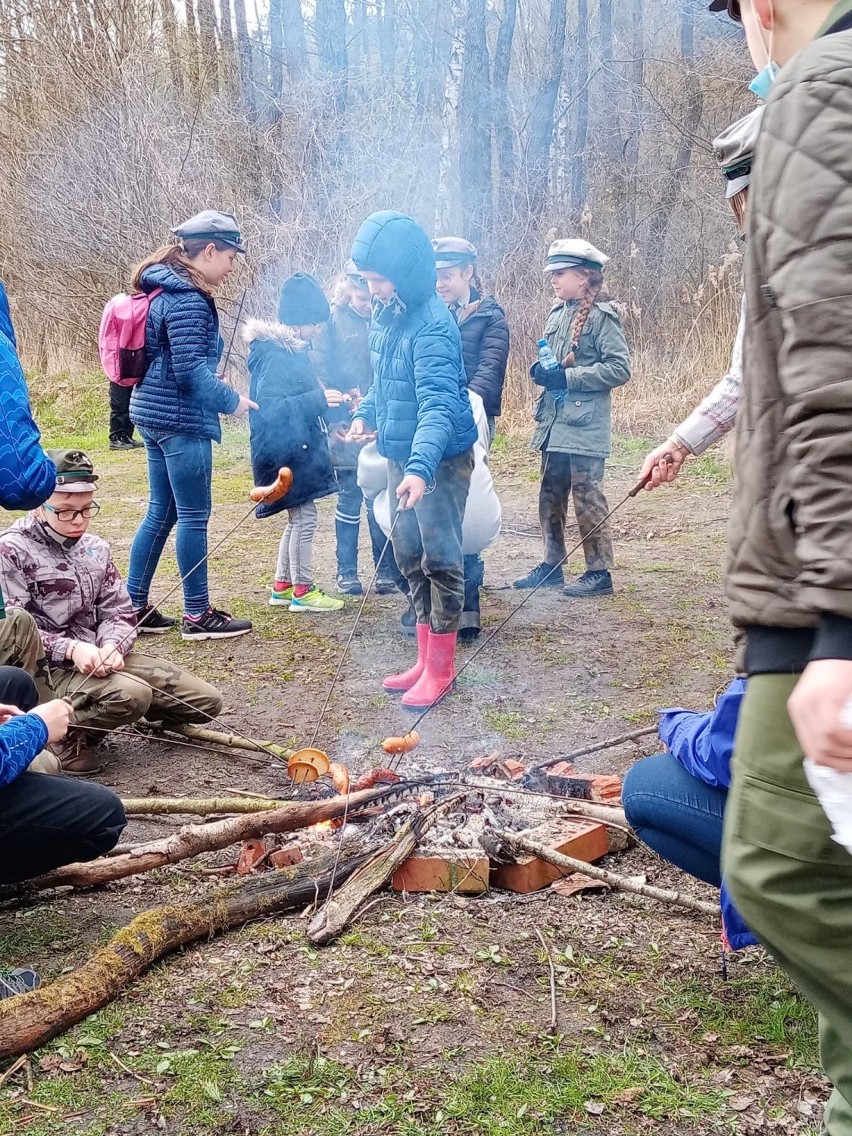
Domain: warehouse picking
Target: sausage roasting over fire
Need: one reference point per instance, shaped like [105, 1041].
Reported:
[405, 744]
[266, 494]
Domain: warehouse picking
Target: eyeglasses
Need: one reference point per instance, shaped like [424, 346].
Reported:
[87, 512]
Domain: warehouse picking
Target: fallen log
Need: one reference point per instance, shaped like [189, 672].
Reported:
[29, 1020]
[193, 839]
[621, 883]
[199, 806]
[342, 906]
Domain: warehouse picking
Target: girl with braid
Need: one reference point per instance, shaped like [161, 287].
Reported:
[573, 416]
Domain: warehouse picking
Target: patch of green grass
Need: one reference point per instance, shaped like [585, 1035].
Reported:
[510, 723]
[760, 1005]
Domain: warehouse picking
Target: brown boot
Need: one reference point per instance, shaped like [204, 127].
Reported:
[75, 756]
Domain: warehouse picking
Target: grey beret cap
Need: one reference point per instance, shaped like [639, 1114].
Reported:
[211, 225]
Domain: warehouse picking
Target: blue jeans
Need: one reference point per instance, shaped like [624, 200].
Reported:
[180, 471]
[677, 815]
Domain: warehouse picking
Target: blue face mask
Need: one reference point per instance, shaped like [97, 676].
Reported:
[763, 81]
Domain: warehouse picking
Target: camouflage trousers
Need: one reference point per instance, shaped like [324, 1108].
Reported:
[580, 477]
[141, 690]
[21, 646]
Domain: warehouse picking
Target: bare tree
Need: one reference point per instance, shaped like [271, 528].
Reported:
[475, 176]
[542, 117]
[503, 135]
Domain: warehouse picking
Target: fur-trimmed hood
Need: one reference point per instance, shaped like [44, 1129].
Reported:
[273, 332]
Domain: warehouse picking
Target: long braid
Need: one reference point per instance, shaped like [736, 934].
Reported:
[594, 284]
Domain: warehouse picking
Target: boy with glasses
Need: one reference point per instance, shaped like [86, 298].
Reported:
[64, 576]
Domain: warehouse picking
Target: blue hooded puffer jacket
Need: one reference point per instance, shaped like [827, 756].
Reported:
[27, 475]
[27, 478]
[180, 393]
[418, 402]
[704, 745]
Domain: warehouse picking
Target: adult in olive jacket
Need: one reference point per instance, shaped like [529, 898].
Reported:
[789, 579]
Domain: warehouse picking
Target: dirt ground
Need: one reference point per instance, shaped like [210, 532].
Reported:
[431, 1015]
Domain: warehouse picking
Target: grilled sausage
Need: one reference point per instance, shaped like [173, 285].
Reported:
[266, 494]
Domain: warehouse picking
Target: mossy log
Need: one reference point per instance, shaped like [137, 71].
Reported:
[29, 1020]
[194, 839]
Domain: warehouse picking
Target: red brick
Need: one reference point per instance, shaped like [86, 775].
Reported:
[512, 769]
[606, 788]
[562, 769]
[584, 840]
[286, 857]
[465, 873]
[486, 763]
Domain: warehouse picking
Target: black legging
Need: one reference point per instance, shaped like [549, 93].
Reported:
[48, 821]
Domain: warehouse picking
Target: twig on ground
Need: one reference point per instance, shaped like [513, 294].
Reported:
[553, 1019]
[13, 1068]
[131, 1072]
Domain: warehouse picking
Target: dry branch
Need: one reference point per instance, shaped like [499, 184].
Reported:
[30, 1020]
[199, 806]
[621, 883]
[234, 741]
[194, 839]
[341, 908]
[633, 736]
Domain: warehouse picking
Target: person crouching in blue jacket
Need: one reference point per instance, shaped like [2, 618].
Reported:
[675, 801]
[289, 430]
[419, 408]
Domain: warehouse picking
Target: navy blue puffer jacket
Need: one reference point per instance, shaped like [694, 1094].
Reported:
[418, 402]
[289, 428]
[180, 392]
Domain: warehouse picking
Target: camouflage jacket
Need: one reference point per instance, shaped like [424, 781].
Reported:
[74, 594]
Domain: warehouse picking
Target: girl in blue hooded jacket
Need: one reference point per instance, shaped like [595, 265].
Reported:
[419, 410]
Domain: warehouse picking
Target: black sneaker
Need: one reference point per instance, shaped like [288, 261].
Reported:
[544, 576]
[408, 622]
[213, 624]
[136, 443]
[21, 981]
[122, 444]
[385, 586]
[149, 621]
[348, 584]
[590, 584]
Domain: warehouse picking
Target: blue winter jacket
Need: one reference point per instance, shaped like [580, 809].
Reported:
[704, 745]
[418, 401]
[27, 477]
[180, 392]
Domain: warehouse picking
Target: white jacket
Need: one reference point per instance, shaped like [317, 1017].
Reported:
[482, 516]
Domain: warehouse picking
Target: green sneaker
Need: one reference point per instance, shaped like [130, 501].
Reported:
[315, 600]
[282, 598]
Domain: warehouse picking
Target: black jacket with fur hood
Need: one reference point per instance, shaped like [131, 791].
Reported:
[289, 428]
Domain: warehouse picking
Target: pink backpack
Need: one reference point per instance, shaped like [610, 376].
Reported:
[121, 339]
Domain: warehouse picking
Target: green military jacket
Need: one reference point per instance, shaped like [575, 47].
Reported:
[581, 422]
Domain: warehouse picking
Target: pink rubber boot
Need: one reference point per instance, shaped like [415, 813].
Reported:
[438, 676]
[399, 683]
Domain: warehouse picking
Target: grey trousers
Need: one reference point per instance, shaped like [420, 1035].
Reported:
[295, 553]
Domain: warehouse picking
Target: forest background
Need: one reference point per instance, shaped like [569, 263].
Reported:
[510, 122]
